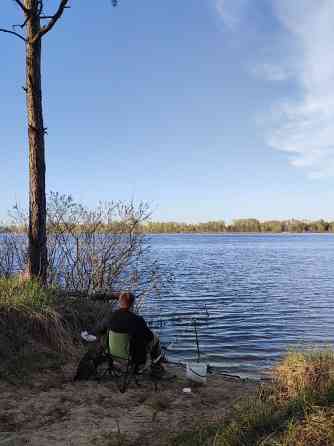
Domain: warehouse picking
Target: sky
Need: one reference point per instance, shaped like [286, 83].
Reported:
[204, 109]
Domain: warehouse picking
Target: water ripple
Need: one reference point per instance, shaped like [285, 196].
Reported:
[253, 297]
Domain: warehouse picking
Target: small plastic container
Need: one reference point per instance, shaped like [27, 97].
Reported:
[196, 372]
[88, 337]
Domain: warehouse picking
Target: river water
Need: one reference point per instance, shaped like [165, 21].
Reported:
[252, 297]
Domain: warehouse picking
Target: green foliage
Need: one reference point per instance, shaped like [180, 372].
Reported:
[177, 228]
[5, 229]
[204, 436]
[251, 225]
[272, 226]
[218, 226]
[246, 225]
[24, 295]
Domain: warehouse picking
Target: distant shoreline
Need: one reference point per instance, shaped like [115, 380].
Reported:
[208, 233]
[239, 233]
[238, 226]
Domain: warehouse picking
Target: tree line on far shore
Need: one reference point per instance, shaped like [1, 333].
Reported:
[241, 225]
[219, 226]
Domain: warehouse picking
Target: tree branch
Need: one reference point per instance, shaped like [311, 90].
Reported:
[45, 29]
[21, 5]
[12, 32]
[40, 9]
[23, 24]
[97, 296]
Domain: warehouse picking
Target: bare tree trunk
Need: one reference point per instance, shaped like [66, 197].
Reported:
[37, 255]
[33, 11]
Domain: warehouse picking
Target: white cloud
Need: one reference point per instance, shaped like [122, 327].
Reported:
[303, 128]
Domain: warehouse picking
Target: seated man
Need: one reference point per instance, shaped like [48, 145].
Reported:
[145, 344]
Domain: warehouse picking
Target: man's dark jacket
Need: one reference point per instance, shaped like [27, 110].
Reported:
[124, 321]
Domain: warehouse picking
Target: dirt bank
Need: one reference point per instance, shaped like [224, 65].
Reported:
[54, 411]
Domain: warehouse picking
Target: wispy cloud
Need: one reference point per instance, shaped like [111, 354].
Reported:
[271, 72]
[304, 127]
[231, 12]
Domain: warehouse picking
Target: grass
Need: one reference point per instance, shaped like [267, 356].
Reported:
[39, 328]
[24, 295]
[296, 409]
[27, 312]
[32, 332]
[309, 372]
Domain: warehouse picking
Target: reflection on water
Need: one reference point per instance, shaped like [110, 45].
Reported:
[253, 297]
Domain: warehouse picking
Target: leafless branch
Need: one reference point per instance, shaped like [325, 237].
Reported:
[21, 5]
[45, 29]
[100, 296]
[23, 24]
[91, 252]
[13, 33]
[40, 9]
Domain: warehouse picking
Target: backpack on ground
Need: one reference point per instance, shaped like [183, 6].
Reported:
[87, 367]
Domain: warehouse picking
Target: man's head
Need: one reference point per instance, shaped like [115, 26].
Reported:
[126, 300]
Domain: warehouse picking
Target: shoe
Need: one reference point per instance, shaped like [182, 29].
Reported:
[157, 359]
[157, 370]
[143, 367]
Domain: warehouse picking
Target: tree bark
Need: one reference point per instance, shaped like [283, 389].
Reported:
[37, 249]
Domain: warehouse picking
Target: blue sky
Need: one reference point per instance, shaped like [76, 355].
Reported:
[205, 109]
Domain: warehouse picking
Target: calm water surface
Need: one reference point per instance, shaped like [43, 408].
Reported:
[253, 296]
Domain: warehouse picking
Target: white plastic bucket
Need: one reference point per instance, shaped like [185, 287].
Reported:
[196, 372]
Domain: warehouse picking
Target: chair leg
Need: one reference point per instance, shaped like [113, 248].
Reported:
[122, 378]
[108, 370]
[128, 375]
[126, 378]
[125, 383]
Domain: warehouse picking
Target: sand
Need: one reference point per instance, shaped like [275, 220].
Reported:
[55, 411]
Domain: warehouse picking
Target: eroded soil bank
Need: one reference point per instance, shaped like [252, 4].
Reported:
[54, 411]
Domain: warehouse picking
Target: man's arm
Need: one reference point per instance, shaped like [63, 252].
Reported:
[103, 326]
[142, 331]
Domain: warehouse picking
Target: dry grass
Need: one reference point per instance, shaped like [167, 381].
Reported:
[27, 313]
[80, 313]
[39, 329]
[317, 429]
[296, 409]
[310, 372]
[32, 332]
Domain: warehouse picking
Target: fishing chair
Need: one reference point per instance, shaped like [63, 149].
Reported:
[120, 364]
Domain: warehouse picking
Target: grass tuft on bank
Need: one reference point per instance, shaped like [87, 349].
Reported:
[32, 332]
[38, 328]
[24, 295]
[295, 409]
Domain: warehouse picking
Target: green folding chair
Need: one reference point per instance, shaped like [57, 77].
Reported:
[120, 364]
